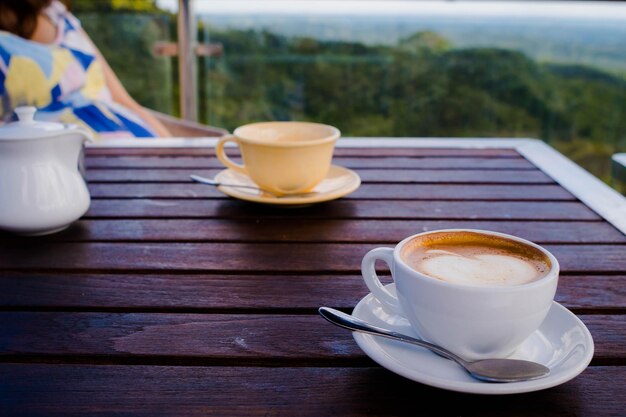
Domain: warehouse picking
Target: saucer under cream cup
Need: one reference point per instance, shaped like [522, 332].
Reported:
[475, 322]
[282, 157]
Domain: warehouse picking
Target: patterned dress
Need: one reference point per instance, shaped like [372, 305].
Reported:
[64, 80]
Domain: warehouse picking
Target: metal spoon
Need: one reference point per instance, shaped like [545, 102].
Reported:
[489, 370]
[209, 181]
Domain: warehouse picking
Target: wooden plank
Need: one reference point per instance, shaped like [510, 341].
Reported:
[164, 162]
[366, 191]
[592, 292]
[293, 229]
[78, 390]
[217, 292]
[360, 152]
[205, 338]
[345, 209]
[416, 176]
[252, 257]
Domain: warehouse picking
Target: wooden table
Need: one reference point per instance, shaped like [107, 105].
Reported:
[168, 298]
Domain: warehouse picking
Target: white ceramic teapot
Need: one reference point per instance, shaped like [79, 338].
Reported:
[41, 188]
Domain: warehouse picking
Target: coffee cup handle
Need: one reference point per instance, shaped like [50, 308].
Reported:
[224, 159]
[368, 269]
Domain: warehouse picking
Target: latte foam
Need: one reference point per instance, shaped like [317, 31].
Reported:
[470, 258]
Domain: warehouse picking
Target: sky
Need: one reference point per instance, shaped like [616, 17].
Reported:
[574, 10]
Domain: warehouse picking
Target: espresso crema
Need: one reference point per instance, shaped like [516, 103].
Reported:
[470, 258]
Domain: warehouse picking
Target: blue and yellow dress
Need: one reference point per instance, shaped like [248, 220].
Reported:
[64, 80]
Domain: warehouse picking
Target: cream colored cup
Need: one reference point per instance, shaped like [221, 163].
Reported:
[282, 157]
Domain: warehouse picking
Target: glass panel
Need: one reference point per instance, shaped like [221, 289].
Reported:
[126, 39]
[554, 71]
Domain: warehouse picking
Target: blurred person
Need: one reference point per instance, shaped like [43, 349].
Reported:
[48, 61]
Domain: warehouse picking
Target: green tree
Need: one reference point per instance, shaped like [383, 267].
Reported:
[114, 5]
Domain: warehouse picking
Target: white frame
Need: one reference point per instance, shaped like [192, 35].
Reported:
[598, 196]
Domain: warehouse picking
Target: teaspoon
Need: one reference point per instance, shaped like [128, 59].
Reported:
[209, 181]
[489, 370]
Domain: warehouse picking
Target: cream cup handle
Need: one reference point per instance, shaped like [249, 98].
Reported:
[368, 269]
[224, 159]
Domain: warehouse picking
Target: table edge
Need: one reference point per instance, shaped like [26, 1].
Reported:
[598, 196]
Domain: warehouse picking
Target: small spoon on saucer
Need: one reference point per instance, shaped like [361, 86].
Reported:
[489, 370]
[209, 181]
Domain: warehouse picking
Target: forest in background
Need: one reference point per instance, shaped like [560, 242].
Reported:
[421, 86]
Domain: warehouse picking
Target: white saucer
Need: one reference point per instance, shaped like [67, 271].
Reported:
[562, 343]
[339, 182]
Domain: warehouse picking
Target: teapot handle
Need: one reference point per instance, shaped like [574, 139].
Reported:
[81, 164]
[88, 137]
[86, 134]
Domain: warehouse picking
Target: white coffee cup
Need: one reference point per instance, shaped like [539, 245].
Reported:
[475, 322]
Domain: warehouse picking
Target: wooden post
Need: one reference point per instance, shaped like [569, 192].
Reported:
[187, 40]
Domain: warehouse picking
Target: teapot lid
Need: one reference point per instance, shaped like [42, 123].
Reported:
[26, 127]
